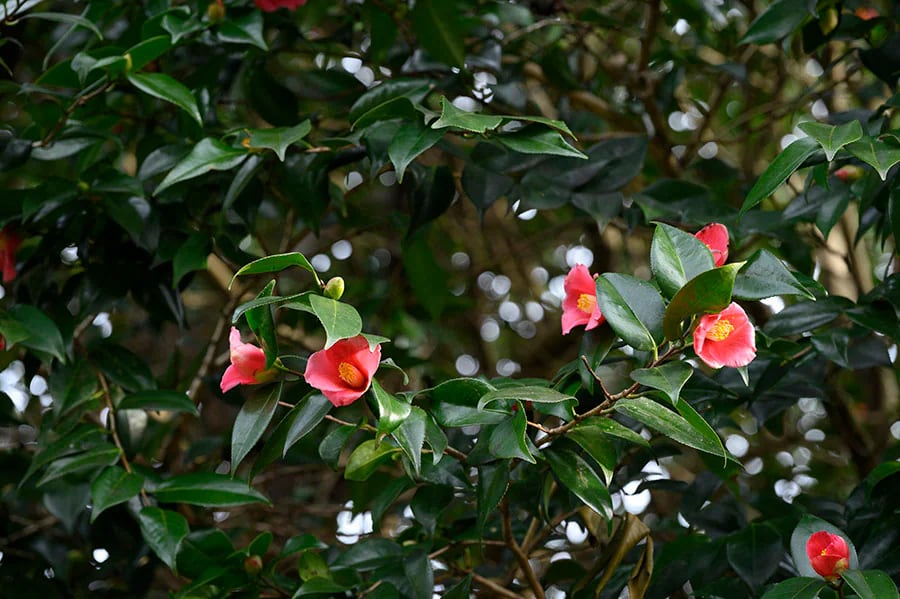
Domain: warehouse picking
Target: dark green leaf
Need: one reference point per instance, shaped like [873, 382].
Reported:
[438, 26]
[451, 116]
[808, 526]
[310, 413]
[390, 100]
[208, 155]
[159, 401]
[594, 441]
[764, 276]
[262, 323]
[251, 422]
[508, 439]
[707, 293]
[832, 138]
[208, 489]
[677, 257]
[611, 428]
[410, 435]
[148, 50]
[391, 411]
[112, 487]
[576, 474]
[667, 422]
[244, 30]
[870, 584]
[879, 154]
[796, 588]
[160, 85]
[454, 403]
[93, 459]
[536, 139]
[279, 138]
[163, 530]
[668, 378]
[530, 393]
[754, 553]
[411, 139]
[779, 170]
[702, 427]
[779, 20]
[276, 263]
[493, 479]
[633, 308]
[340, 320]
[43, 334]
[61, 17]
[190, 256]
[366, 459]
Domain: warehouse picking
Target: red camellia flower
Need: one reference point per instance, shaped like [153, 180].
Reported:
[726, 338]
[9, 245]
[866, 13]
[273, 5]
[828, 554]
[715, 236]
[580, 304]
[849, 174]
[248, 364]
[343, 372]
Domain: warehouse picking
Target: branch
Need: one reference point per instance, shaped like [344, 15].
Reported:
[521, 558]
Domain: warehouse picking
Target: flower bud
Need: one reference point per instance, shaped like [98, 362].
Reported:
[253, 565]
[215, 11]
[829, 554]
[829, 21]
[334, 288]
[849, 173]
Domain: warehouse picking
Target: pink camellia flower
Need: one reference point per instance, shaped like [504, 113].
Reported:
[726, 338]
[10, 241]
[580, 304]
[343, 372]
[715, 236]
[248, 364]
[273, 5]
[828, 554]
[867, 13]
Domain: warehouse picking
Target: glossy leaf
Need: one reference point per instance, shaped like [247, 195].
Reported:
[493, 480]
[310, 412]
[252, 421]
[530, 393]
[92, 459]
[576, 474]
[707, 293]
[633, 308]
[870, 584]
[536, 139]
[159, 401]
[276, 263]
[808, 526]
[278, 139]
[438, 25]
[391, 411]
[114, 486]
[455, 403]
[367, 458]
[508, 439]
[755, 553]
[247, 29]
[410, 435]
[411, 140]
[390, 100]
[796, 588]
[669, 423]
[611, 428]
[879, 154]
[340, 320]
[164, 87]
[765, 276]
[42, 333]
[207, 489]
[262, 323]
[451, 116]
[784, 165]
[677, 257]
[832, 138]
[594, 440]
[780, 19]
[163, 530]
[668, 378]
[208, 155]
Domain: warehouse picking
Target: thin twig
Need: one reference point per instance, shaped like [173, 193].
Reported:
[493, 586]
[113, 429]
[521, 558]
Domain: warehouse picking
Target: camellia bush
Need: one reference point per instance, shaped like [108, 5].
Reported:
[486, 298]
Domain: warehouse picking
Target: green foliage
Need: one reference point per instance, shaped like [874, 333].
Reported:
[172, 169]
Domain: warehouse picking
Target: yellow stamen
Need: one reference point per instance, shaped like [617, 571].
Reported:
[586, 303]
[351, 375]
[720, 331]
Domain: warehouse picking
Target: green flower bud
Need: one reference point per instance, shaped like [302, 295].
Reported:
[253, 565]
[334, 288]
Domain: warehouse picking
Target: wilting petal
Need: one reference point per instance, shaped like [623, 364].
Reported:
[715, 236]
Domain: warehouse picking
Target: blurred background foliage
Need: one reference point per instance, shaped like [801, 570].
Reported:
[136, 170]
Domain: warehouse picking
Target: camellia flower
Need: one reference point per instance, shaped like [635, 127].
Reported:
[273, 5]
[9, 245]
[248, 364]
[866, 13]
[726, 338]
[343, 372]
[715, 236]
[849, 173]
[580, 304]
[828, 554]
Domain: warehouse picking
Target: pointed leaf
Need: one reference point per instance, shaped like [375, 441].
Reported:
[367, 458]
[276, 263]
[391, 411]
[251, 422]
[532, 393]
[159, 401]
[439, 27]
[93, 459]
[164, 87]
[244, 30]
[779, 20]
[633, 308]
[870, 584]
[702, 428]
[508, 439]
[779, 170]
[412, 139]
[707, 293]
[611, 428]
[667, 422]
[262, 323]
[493, 480]
[576, 474]
[309, 414]
[208, 489]
[796, 588]
[594, 441]
[877, 153]
[765, 276]
[451, 116]
[340, 320]
[410, 436]
[278, 139]
[208, 155]
[42, 333]
[808, 526]
[536, 139]
[163, 531]
[832, 138]
[112, 487]
[668, 378]
[677, 257]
